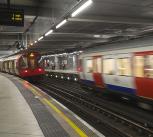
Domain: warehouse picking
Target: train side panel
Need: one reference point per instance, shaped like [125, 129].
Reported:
[143, 64]
[87, 72]
[118, 73]
[123, 71]
[97, 71]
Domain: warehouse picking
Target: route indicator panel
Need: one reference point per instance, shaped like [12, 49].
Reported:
[11, 17]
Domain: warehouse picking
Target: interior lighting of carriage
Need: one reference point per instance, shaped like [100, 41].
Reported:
[75, 79]
[61, 24]
[81, 8]
[49, 32]
[40, 38]
[31, 55]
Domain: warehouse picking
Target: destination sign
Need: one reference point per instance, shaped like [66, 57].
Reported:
[11, 17]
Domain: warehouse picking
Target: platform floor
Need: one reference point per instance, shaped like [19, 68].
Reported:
[16, 117]
[26, 111]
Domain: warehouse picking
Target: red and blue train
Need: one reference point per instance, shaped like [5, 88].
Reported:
[125, 69]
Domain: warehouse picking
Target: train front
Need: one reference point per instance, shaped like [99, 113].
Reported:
[29, 65]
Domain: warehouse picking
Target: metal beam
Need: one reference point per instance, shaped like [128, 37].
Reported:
[72, 40]
[5, 52]
[9, 37]
[111, 19]
[11, 32]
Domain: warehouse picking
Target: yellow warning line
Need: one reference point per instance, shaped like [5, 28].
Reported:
[69, 121]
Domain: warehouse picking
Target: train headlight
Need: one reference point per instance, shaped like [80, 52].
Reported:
[25, 71]
[39, 69]
[75, 79]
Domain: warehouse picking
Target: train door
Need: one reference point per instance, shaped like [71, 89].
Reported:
[80, 69]
[109, 70]
[124, 80]
[97, 71]
[88, 70]
[143, 71]
[117, 73]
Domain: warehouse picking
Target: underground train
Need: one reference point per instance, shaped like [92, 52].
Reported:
[24, 65]
[124, 68]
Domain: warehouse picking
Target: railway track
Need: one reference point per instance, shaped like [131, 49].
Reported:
[102, 118]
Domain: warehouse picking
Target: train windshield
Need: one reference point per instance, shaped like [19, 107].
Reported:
[29, 61]
[23, 62]
[33, 63]
[33, 59]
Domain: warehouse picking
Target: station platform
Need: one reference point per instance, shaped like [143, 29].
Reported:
[26, 111]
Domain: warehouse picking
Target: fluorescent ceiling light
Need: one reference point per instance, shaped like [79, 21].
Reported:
[40, 38]
[97, 36]
[49, 32]
[61, 23]
[85, 5]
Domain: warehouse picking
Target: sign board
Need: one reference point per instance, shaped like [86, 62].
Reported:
[11, 17]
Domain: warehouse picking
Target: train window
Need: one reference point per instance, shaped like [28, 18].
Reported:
[97, 65]
[7, 62]
[139, 66]
[10, 64]
[124, 66]
[13, 64]
[32, 63]
[148, 67]
[80, 65]
[109, 66]
[23, 62]
[89, 66]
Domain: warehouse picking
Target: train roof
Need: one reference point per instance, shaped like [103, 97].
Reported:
[14, 57]
[135, 43]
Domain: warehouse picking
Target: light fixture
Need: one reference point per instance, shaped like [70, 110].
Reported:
[85, 5]
[35, 41]
[97, 36]
[40, 38]
[61, 24]
[31, 44]
[49, 32]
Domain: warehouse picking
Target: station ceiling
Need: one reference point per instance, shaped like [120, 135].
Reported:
[104, 21]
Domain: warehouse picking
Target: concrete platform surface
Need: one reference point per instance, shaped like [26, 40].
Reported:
[16, 117]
